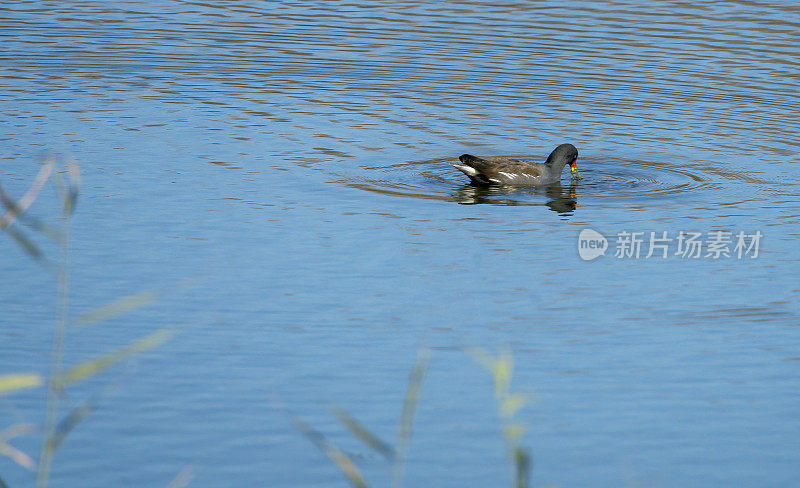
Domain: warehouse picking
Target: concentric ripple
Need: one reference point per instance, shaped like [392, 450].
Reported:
[606, 181]
[618, 178]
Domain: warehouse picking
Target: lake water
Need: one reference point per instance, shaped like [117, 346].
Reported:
[278, 172]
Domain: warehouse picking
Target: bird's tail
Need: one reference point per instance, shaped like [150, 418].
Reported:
[466, 164]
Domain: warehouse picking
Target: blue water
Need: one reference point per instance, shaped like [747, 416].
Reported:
[278, 173]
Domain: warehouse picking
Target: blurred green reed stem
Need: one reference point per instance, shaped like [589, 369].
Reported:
[54, 432]
[396, 455]
[69, 195]
[407, 417]
[508, 403]
[501, 367]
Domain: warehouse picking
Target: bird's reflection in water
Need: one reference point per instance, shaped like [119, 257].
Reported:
[559, 199]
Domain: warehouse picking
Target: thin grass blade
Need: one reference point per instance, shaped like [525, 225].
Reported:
[501, 367]
[16, 455]
[502, 372]
[407, 417]
[412, 396]
[26, 244]
[362, 433]
[482, 357]
[508, 405]
[183, 478]
[513, 432]
[522, 467]
[345, 464]
[15, 382]
[68, 423]
[3, 484]
[12, 452]
[93, 366]
[122, 305]
[512, 403]
[49, 231]
[14, 209]
[62, 190]
[17, 430]
[73, 186]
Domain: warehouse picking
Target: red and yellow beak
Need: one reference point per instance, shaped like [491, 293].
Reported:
[573, 166]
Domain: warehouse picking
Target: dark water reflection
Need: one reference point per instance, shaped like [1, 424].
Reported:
[296, 156]
[559, 199]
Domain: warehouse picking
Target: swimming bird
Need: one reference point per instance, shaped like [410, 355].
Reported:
[517, 172]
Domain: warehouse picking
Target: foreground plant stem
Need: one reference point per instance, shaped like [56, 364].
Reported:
[56, 357]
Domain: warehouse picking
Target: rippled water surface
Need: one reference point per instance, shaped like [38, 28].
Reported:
[279, 172]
